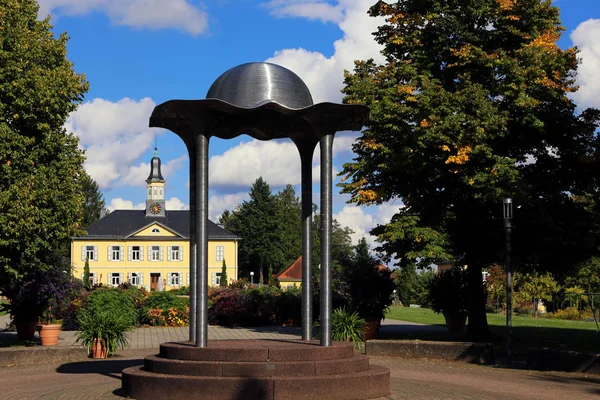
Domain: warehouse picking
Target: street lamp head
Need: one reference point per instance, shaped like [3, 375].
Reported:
[508, 212]
[251, 273]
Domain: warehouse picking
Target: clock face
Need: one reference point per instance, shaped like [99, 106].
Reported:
[154, 208]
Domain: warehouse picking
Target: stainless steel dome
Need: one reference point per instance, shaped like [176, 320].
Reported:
[254, 84]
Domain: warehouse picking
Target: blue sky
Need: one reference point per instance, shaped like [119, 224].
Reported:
[139, 53]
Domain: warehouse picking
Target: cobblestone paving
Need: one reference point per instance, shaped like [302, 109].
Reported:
[410, 379]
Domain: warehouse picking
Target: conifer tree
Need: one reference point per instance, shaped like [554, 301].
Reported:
[223, 281]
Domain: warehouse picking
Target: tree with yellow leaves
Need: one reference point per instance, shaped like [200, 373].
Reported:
[472, 105]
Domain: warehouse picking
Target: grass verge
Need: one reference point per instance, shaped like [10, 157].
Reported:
[528, 332]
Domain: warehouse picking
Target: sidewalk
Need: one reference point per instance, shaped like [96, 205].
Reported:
[152, 337]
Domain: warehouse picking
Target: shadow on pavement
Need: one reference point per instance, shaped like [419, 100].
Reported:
[111, 368]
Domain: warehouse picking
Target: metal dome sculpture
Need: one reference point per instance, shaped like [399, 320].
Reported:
[265, 101]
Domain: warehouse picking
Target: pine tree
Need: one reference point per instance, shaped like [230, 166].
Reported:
[223, 281]
[86, 273]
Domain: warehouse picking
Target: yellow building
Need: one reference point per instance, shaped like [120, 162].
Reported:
[150, 248]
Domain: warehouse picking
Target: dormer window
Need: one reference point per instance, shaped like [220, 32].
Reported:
[155, 230]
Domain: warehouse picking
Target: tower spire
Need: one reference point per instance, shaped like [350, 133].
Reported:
[155, 201]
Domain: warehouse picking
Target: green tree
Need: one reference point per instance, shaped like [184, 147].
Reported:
[255, 221]
[535, 286]
[471, 105]
[86, 273]
[40, 163]
[289, 219]
[94, 200]
[223, 281]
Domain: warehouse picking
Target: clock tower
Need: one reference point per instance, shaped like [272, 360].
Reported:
[155, 197]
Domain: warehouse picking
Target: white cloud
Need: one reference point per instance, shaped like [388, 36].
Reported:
[149, 14]
[121, 204]
[277, 161]
[311, 9]
[137, 175]
[585, 37]
[218, 204]
[175, 204]
[324, 76]
[115, 135]
[362, 221]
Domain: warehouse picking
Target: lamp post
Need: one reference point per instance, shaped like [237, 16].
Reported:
[508, 215]
[251, 277]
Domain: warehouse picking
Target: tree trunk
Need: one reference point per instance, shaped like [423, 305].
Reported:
[478, 326]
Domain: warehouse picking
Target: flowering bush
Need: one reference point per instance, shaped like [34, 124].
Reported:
[173, 310]
[43, 294]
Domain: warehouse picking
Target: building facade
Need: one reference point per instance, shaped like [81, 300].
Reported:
[150, 248]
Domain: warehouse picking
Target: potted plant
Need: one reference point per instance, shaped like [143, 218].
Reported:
[102, 332]
[38, 298]
[347, 326]
[448, 295]
[367, 288]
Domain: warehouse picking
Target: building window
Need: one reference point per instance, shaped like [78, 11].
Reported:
[155, 253]
[89, 253]
[216, 278]
[93, 279]
[116, 253]
[115, 278]
[175, 279]
[175, 253]
[220, 253]
[134, 278]
[155, 230]
[135, 253]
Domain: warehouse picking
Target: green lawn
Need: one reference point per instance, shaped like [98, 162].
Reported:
[527, 331]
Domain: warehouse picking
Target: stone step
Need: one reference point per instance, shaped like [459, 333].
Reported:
[256, 351]
[356, 363]
[368, 384]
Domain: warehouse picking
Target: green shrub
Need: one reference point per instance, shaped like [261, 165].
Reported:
[181, 291]
[448, 292]
[113, 300]
[571, 314]
[163, 301]
[347, 326]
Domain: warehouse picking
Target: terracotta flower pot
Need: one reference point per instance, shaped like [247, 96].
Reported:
[26, 329]
[49, 334]
[98, 349]
[455, 323]
[372, 330]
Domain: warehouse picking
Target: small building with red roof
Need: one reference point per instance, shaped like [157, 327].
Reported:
[292, 275]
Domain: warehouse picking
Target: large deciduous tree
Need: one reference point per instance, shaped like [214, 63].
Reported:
[40, 163]
[472, 104]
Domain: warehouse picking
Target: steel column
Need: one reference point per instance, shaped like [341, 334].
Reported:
[507, 231]
[306, 156]
[192, 236]
[326, 144]
[200, 227]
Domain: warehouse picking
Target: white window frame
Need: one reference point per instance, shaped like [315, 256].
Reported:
[115, 279]
[175, 253]
[155, 230]
[175, 279]
[115, 253]
[216, 278]
[220, 253]
[135, 278]
[137, 255]
[154, 253]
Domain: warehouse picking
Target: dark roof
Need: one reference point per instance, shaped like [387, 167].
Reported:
[123, 223]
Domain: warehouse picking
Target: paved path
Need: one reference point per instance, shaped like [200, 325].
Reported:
[151, 337]
[410, 379]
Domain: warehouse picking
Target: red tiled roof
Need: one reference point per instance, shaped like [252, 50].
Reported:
[291, 273]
